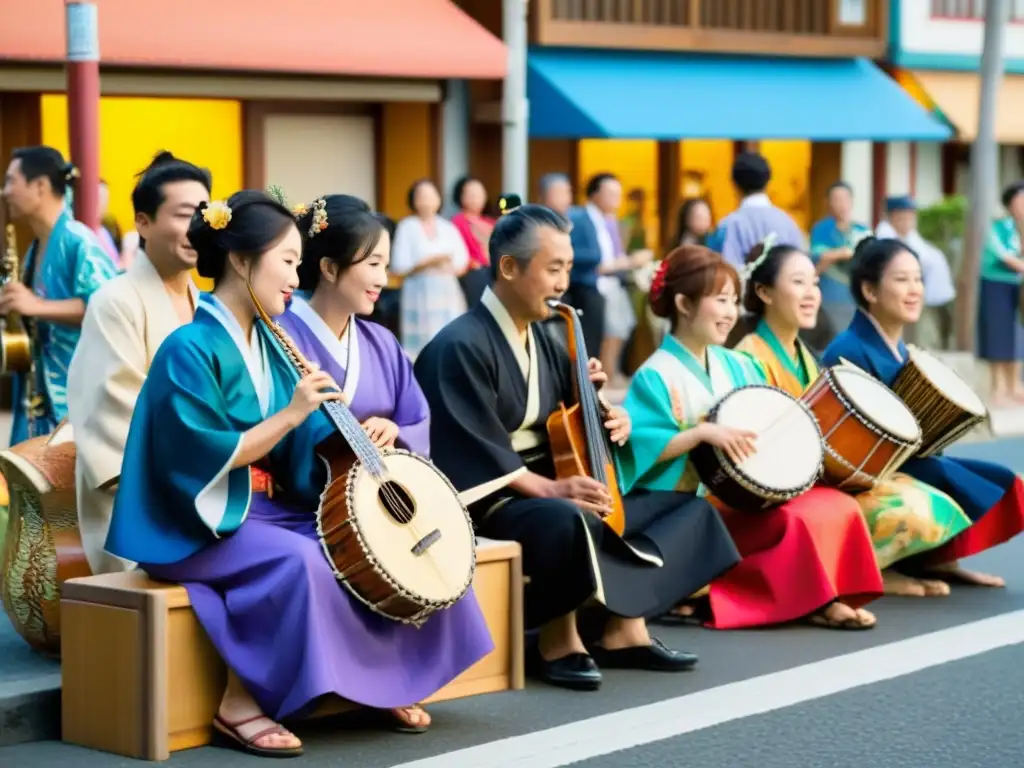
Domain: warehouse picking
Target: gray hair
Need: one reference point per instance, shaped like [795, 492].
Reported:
[516, 233]
[548, 180]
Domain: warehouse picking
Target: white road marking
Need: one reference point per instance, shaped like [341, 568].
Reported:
[625, 729]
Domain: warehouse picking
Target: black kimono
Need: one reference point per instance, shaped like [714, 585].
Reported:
[490, 393]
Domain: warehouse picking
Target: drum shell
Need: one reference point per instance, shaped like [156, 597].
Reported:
[856, 454]
[722, 487]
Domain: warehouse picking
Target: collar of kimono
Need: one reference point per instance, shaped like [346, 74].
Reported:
[161, 318]
[793, 365]
[897, 349]
[674, 347]
[521, 343]
[345, 350]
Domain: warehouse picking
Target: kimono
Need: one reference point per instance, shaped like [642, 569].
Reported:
[905, 516]
[991, 495]
[434, 297]
[73, 267]
[253, 566]
[128, 320]
[836, 301]
[797, 557]
[491, 390]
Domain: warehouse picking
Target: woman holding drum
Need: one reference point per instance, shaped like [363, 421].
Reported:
[806, 554]
[886, 284]
[905, 516]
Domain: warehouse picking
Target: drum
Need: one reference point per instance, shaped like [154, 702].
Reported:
[944, 404]
[867, 430]
[789, 451]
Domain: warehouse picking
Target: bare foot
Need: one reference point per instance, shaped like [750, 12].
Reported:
[414, 717]
[840, 616]
[934, 587]
[895, 583]
[953, 571]
[684, 611]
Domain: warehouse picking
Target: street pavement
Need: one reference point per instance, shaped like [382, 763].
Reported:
[938, 683]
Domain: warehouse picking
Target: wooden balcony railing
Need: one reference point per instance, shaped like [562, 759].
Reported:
[780, 27]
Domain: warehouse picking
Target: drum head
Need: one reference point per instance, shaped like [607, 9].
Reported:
[947, 382]
[877, 403]
[789, 451]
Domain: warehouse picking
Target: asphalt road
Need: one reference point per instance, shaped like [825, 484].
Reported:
[939, 682]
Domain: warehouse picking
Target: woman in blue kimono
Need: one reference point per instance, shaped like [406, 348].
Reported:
[886, 284]
[218, 490]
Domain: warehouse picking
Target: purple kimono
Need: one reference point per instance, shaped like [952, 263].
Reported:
[266, 594]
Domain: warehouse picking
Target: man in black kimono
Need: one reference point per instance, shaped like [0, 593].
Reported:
[492, 377]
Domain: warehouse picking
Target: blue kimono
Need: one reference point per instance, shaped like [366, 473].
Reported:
[73, 267]
[990, 494]
[249, 554]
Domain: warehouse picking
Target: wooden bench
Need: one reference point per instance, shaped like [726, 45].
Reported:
[141, 678]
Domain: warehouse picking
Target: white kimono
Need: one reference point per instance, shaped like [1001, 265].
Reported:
[127, 320]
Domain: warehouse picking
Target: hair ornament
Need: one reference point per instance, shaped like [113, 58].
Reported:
[766, 246]
[319, 217]
[658, 281]
[71, 173]
[217, 214]
[299, 210]
[508, 203]
[276, 193]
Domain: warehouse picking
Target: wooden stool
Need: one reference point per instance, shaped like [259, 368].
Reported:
[141, 678]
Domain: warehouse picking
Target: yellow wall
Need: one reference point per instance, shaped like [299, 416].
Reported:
[791, 178]
[408, 152]
[705, 167]
[635, 162]
[133, 130]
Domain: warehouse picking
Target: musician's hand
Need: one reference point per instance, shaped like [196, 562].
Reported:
[618, 425]
[586, 493]
[738, 444]
[641, 258]
[18, 297]
[381, 431]
[598, 377]
[314, 389]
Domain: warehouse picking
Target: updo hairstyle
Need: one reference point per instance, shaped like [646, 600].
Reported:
[257, 222]
[351, 233]
[870, 260]
[765, 274]
[693, 272]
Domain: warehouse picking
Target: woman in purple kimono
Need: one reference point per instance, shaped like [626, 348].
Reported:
[344, 269]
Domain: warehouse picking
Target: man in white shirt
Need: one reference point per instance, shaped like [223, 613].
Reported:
[935, 327]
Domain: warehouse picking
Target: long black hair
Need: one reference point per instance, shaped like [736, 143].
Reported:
[351, 233]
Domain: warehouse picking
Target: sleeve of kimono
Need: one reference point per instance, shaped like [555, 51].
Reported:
[657, 417]
[104, 380]
[92, 268]
[846, 346]
[192, 411]
[404, 253]
[411, 412]
[470, 444]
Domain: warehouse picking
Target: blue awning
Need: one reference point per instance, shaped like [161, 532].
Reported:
[644, 95]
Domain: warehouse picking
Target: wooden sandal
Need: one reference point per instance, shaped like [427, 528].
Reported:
[230, 737]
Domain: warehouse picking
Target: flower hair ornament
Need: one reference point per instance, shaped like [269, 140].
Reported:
[217, 214]
[71, 173]
[766, 246]
[319, 223]
[658, 281]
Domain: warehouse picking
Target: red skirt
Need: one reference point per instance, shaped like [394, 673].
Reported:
[797, 558]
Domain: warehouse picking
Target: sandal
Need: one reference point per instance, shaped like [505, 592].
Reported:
[856, 623]
[399, 724]
[229, 736]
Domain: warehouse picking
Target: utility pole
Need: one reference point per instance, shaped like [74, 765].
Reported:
[984, 174]
[83, 86]
[514, 107]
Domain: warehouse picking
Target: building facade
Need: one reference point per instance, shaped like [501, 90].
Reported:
[664, 92]
[328, 96]
[935, 54]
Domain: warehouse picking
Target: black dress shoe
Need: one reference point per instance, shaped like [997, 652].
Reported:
[577, 671]
[656, 657]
